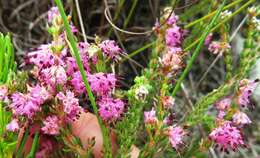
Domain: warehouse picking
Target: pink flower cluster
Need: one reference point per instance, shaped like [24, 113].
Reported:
[216, 47]
[227, 137]
[58, 83]
[176, 135]
[150, 117]
[228, 134]
[174, 35]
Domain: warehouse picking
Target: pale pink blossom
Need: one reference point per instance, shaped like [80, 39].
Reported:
[13, 125]
[168, 101]
[216, 47]
[150, 117]
[51, 125]
[39, 94]
[176, 135]
[110, 49]
[240, 119]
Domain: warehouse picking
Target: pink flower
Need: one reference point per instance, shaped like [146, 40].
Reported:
[245, 91]
[208, 39]
[13, 125]
[24, 105]
[110, 49]
[227, 137]
[77, 83]
[168, 101]
[42, 56]
[110, 109]
[102, 83]
[150, 117]
[224, 103]
[39, 94]
[51, 125]
[53, 13]
[173, 36]
[53, 76]
[70, 105]
[172, 61]
[176, 134]
[240, 119]
[216, 47]
[173, 19]
[3, 92]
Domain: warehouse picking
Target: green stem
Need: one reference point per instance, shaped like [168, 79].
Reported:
[197, 50]
[106, 142]
[130, 14]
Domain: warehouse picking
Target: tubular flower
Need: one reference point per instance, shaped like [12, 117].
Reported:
[53, 13]
[240, 119]
[39, 94]
[150, 117]
[216, 47]
[13, 125]
[102, 83]
[168, 101]
[51, 125]
[245, 91]
[110, 109]
[24, 105]
[70, 105]
[174, 36]
[172, 61]
[176, 134]
[227, 137]
[110, 49]
[224, 103]
[55, 75]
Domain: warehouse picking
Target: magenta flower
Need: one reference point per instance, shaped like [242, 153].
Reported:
[174, 36]
[39, 94]
[240, 119]
[42, 56]
[77, 83]
[227, 137]
[51, 125]
[110, 109]
[245, 91]
[208, 39]
[176, 134]
[173, 19]
[13, 125]
[24, 105]
[70, 105]
[150, 117]
[102, 83]
[110, 49]
[53, 76]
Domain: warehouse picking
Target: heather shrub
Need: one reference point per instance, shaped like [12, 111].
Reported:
[66, 98]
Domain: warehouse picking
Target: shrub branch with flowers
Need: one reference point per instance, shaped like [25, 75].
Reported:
[69, 103]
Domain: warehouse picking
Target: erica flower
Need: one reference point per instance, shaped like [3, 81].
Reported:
[24, 105]
[227, 137]
[70, 105]
[110, 49]
[216, 47]
[53, 76]
[102, 83]
[208, 39]
[51, 125]
[77, 83]
[173, 36]
[52, 14]
[171, 61]
[168, 101]
[240, 119]
[13, 125]
[173, 19]
[110, 109]
[42, 56]
[39, 94]
[246, 89]
[150, 117]
[176, 134]
[224, 103]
